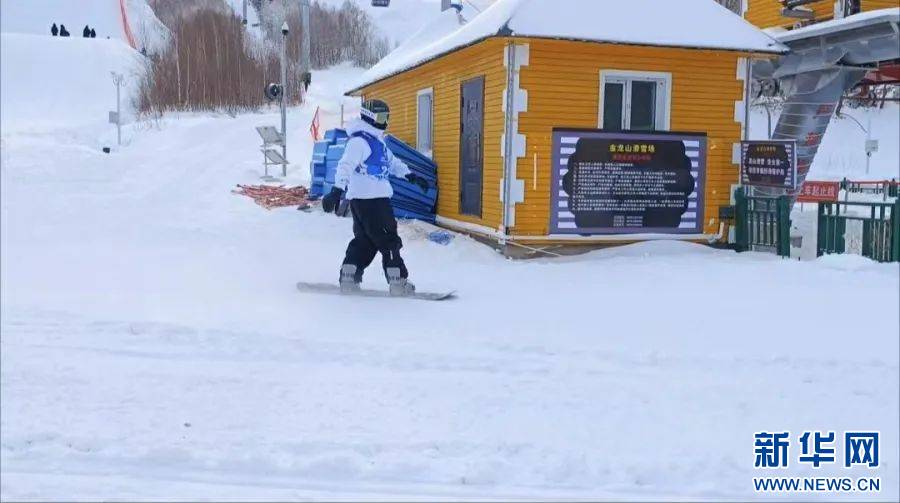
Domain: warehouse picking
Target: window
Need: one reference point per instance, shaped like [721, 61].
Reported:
[635, 101]
[425, 122]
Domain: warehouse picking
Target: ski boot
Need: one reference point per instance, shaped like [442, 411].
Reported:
[398, 286]
[348, 279]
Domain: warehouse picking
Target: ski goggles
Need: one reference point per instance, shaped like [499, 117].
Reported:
[380, 118]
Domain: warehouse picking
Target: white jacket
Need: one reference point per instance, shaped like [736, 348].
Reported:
[360, 185]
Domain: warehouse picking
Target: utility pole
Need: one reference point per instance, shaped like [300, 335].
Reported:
[119, 81]
[305, 46]
[284, 94]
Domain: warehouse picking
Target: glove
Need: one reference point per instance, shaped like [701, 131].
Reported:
[332, 199]
[418, 180]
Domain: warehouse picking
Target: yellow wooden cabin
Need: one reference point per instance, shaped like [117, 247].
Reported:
[769, 13]
[487, 98]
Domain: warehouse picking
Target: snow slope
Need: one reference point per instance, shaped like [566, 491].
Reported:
[54, 83]
[36, 16]
[154, 347]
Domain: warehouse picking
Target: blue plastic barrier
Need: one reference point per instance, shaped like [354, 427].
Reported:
[409, 201]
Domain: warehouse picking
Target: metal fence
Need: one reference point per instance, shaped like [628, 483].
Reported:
[763, 223]
[880, 228]
[885, 188]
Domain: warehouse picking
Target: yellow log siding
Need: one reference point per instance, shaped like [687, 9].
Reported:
[767, 13]
[563, 83]
[445, 76]
[868, 5]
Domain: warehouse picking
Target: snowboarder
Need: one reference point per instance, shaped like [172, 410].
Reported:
[63, 32]
[362, 179]
[54, 30]
[86, 32]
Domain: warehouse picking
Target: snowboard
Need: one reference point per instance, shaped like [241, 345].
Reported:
[335, 289]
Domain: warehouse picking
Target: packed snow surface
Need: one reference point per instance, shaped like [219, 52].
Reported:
[591, 20]
[104, 16]
[57, 83]
[153, 346]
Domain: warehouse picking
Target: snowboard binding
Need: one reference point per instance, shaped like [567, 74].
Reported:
[398, 286]
[348, 279]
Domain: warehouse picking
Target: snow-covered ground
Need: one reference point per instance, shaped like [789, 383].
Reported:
[35, 17]
[153, 346]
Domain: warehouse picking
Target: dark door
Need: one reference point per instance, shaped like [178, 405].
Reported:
[471, 147]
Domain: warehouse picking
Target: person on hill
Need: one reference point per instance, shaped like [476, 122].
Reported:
[54, 30]
[93, 33]
[63, 32]
[362, 175]
[86, 32]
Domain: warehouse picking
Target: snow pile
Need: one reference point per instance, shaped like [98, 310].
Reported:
[104, 16]
[149, 32]
[440, 26]
[54, 82]
[592, 20]
[404, 18]
[847, 23]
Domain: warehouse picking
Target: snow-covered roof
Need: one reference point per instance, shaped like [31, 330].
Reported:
[847, 23]
[705, 25]
[442, 25]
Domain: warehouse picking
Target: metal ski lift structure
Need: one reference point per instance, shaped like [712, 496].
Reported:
[826, 60]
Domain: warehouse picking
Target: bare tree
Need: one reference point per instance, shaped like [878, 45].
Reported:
[209, 68]
[213, 65]
[732, 5]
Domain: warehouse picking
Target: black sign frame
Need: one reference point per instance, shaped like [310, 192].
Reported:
[566, 218]
[769, 163]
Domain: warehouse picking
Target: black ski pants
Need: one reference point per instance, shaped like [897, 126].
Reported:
[374, 231]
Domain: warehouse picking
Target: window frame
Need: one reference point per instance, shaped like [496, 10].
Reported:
[429, 91]
[663, 105]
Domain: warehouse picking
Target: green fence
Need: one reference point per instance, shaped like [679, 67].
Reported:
[885, 188]
[880, 228]
[763, 223]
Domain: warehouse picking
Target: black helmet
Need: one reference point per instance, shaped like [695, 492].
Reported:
[376, 113]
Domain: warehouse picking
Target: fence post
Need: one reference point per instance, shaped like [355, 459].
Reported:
[895, 231]
[740, 224]
[821, 231]
[783, 224]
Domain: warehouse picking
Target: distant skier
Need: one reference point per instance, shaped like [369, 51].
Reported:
[93, 33]
[54, 30]
[63, 32]
[86, 32]
[362, 173]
